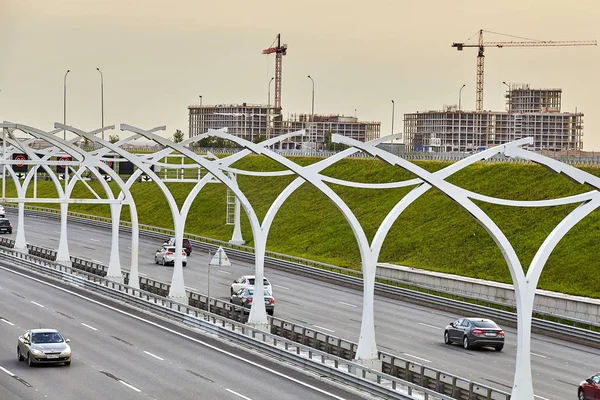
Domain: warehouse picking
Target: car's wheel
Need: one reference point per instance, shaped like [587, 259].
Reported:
[447, 338]
[231, 291]
[155, 260]
[466, 344]
[19, 355]
[580, 395]
[499, 348]
[271, 312]
[30, 360]
[67, 363]
[184, 264]
[163, 261]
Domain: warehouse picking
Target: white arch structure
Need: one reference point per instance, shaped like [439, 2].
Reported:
[524, 284]
[85, 161]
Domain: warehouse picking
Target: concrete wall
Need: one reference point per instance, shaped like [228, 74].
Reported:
[573, 307]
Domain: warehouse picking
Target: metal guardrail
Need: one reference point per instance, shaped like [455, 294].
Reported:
[431, 378]
[364, 379]
[567, 328]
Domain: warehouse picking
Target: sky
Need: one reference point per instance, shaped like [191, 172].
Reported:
[158, 57]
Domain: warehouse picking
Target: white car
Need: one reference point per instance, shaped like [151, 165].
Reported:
[2, 211]
[166, 255]
[245, 281]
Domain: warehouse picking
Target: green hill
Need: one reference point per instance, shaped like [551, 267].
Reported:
[433, 233]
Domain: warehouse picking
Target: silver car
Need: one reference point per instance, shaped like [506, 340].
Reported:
[166, 255]
[246, 281]
[43, 346]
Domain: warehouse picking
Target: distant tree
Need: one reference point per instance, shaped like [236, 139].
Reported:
[178, 136]
[113, 138]
[259, 138]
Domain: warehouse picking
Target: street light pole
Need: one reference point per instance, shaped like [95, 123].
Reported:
[312, 108]
[102, 98]
[459, 114]
[393, 115]
[65, 103]
[269, 108]
[509, 108]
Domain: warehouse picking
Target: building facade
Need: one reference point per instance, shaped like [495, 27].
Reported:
[254, 122]
[532, 113]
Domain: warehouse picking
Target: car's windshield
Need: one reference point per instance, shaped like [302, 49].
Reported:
[46, 337]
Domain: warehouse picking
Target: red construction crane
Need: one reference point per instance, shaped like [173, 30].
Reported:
[280, 51]
[530, 43]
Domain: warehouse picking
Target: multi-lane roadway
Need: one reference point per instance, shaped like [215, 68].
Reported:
[123, 354]
[404, 329]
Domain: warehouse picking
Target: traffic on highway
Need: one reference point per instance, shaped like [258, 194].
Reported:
[411, 331]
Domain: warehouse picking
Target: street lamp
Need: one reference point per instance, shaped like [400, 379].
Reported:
[200, 100]
[312, 110]
[509, 108]
[460, 96]
[393, 115]
[269, 108]
[65, 103]
[102, 98]
[459, 114]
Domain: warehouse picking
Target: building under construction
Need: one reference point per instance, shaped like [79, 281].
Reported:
[530, 112]
[254, 122]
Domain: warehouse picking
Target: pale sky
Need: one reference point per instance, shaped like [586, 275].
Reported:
[157, 57]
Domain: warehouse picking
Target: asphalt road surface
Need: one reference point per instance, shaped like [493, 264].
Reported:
[131, 355]
[404, 329]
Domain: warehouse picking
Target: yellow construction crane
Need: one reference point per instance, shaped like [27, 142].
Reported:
[529, 43]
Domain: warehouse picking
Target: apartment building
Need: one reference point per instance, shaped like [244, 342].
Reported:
[530, 112]
[253, 122]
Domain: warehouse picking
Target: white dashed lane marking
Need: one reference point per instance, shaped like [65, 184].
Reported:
[7, 322]
[325, 329]
[237, 394]
[418, 358]
[88, 326]
[347, 304]
[130, 386]
[37, 304]
[430, 326]
[282, 287]
[538, 355]
[155, 356]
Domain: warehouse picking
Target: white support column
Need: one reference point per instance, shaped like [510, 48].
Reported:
[134, 277]
[237, 230]
[114, 265]
[258, 315]
[62, 254]
[366, 353]
[522, 384]
[177, 291]
[20, 242]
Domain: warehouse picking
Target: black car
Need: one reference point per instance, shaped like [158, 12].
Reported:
[475, 332]
[244, 297]
[5, 225]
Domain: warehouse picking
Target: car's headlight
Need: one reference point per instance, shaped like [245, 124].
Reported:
[66, 352]
[36, 352]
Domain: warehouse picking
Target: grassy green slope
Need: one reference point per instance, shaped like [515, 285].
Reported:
[433, 233]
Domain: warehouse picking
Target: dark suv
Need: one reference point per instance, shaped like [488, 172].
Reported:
[187, 245]
[5, 225]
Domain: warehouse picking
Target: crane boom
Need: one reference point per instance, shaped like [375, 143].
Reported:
[480, 56]
[280, 51]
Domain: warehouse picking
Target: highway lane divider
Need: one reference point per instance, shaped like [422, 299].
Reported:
[155, 291]
[333, 369]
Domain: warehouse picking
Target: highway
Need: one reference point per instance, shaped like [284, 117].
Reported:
[404, 329]
[130, 355]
